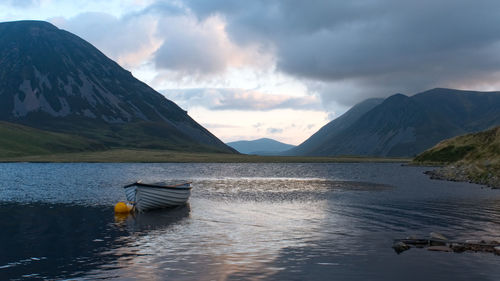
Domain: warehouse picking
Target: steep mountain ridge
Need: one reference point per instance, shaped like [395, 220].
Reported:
[320, 139]
[403, 126]
[53, 80]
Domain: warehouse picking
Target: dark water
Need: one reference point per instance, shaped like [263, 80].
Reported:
[244, 221]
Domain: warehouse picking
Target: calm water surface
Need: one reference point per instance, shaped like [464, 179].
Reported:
[243, 222]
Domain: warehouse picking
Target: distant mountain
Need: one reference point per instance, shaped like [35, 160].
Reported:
[403, 126]
[53, 80]
[262, 146]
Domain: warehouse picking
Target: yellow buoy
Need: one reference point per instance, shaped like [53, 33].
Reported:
[122, 208]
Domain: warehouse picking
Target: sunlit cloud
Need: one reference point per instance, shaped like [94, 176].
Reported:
[129, 41]
[196, 48]
[240, 99]
[293, 126]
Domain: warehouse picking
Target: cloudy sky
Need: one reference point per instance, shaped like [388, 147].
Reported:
[284, 68]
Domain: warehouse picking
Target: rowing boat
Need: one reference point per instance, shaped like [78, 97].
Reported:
[148, 196]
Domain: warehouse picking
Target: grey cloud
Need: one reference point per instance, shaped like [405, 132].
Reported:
[274, 131]
[190, 48]
[23, 3]
[239, 99]
[163, 8]
[381, 47]
[344, 50]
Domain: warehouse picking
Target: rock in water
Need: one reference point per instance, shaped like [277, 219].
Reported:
[440, 249]
[439, 236]
[497, 250]
[458, 247]
[400, 247]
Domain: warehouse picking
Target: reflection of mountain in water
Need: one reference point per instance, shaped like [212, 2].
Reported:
[67, 241]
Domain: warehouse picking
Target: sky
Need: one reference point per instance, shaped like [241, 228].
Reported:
[284, 68]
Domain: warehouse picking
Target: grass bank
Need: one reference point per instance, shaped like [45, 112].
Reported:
[472, 157]
[166, 156]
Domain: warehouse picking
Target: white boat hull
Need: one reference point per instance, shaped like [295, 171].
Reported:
[148, 197]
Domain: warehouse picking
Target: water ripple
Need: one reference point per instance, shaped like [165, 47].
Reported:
[244, 221]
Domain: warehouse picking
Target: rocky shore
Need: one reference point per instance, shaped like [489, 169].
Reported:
[471, 158]
[439, 243]
[467, 173]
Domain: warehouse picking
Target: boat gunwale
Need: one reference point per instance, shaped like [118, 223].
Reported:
[174, 187]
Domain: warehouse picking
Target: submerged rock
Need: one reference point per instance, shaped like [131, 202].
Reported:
[400, 247]
[439, 248]
[440, 243]
[497, 250]
[458, 247]
[439, 236]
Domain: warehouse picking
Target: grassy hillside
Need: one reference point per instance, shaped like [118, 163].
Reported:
[20, 143]
[17, 140]
[472, 157]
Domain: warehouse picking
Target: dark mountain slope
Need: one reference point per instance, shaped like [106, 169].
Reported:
[53, 80]
[321, 138]
[406, 126]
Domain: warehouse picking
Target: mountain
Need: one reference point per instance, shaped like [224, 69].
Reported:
[53, 80]
[263, 146]
[330, 130]
[403, 126]
[472, 157]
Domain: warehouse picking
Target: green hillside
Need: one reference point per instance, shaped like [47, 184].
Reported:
[18, 140]
[472, 157]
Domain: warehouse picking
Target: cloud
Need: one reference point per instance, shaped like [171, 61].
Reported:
[258, 125]
[219, 126]
[294, 123]
[274, 131]
[344, 51]
[201, 48]
[240, 99]
[371, 47]
[170, 36]
[192, 47]
[23, 3]
[129, 40]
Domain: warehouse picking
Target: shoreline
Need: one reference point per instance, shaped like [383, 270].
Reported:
[167, 156]
[465, 173]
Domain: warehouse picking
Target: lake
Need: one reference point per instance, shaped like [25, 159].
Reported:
[243, 222]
